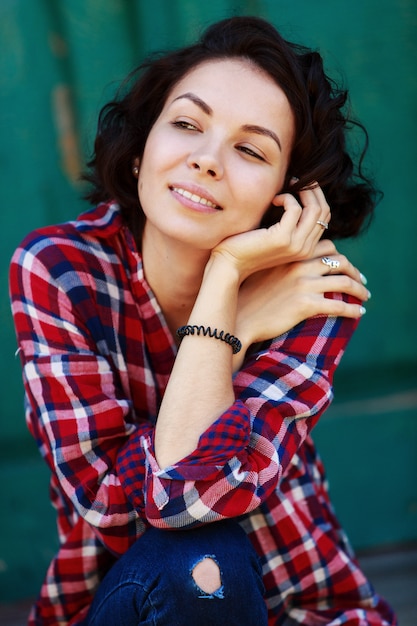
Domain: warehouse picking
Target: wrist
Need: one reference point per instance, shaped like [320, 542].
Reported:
[215, 306]
[223, 265]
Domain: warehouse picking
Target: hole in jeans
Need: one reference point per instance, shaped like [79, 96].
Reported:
[206, 575]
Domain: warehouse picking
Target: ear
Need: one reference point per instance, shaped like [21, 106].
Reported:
[277, 200]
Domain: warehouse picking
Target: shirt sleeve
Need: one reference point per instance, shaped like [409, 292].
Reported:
[76, 410]
[280, 394]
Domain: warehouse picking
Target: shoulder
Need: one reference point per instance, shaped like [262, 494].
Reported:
[84, 240]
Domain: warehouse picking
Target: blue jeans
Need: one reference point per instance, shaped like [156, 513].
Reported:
[156, 582]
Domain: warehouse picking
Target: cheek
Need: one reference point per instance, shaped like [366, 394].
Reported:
[258, 199]
[150, 152]
[262, 191]
[145, 186]
[147, 172]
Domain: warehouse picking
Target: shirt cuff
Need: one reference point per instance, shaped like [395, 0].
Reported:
[226, 438]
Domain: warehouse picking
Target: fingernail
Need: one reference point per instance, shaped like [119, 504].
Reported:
[362, 310]
[364, 279]
[294, 179]
[369, 295]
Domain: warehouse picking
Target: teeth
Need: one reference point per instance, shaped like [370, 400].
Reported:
[194, 197]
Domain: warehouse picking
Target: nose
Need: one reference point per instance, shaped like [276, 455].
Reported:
[207, 162]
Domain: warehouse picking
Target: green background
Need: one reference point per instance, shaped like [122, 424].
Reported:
[60, 62]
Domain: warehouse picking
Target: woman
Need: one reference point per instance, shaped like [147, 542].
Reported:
[179, 342]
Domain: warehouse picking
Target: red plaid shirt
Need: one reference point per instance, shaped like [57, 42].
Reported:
[97, 355]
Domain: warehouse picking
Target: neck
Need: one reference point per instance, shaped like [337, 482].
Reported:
[174, 272]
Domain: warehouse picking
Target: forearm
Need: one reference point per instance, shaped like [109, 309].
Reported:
[280, 394]
[200, 386]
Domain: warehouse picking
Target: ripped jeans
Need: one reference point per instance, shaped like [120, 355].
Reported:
[207, 576]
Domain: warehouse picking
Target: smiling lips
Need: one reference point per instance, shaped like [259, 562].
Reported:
[195, 198]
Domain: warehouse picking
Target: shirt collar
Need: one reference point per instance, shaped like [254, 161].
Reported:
[102, 221]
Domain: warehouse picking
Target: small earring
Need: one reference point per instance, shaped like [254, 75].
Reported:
[135, 171]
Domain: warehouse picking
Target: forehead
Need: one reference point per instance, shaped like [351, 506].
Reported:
[230, 81]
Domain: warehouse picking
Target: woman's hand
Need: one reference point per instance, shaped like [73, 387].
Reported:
[274, 300]
[293, 238]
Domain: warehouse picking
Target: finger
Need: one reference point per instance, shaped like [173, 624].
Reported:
[340, 264]
[319, 197]
[326, 248]
[317, 192]
[292, 209]
[315, 196]
[318, 216]
[343, 283]
[304, 230]
[339, 308]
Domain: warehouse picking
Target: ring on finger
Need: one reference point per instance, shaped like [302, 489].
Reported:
[334, 264]
[324, 225]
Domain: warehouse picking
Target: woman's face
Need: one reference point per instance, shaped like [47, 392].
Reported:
[217, 154]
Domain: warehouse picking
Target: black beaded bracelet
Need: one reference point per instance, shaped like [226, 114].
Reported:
[233, 341]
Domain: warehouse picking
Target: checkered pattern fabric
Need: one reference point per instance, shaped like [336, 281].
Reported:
[97, 355]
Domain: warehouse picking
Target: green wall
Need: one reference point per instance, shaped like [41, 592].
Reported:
[60, 61]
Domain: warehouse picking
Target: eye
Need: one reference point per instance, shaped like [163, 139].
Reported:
[250, 152]
[184, 125]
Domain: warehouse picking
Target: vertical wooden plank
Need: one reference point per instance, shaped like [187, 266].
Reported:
[100, 53]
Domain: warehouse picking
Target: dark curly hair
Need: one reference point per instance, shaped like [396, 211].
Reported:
[319, 153]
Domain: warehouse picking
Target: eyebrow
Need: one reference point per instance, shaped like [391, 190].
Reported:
[198, 101]
[261, 130]
[250, 128]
